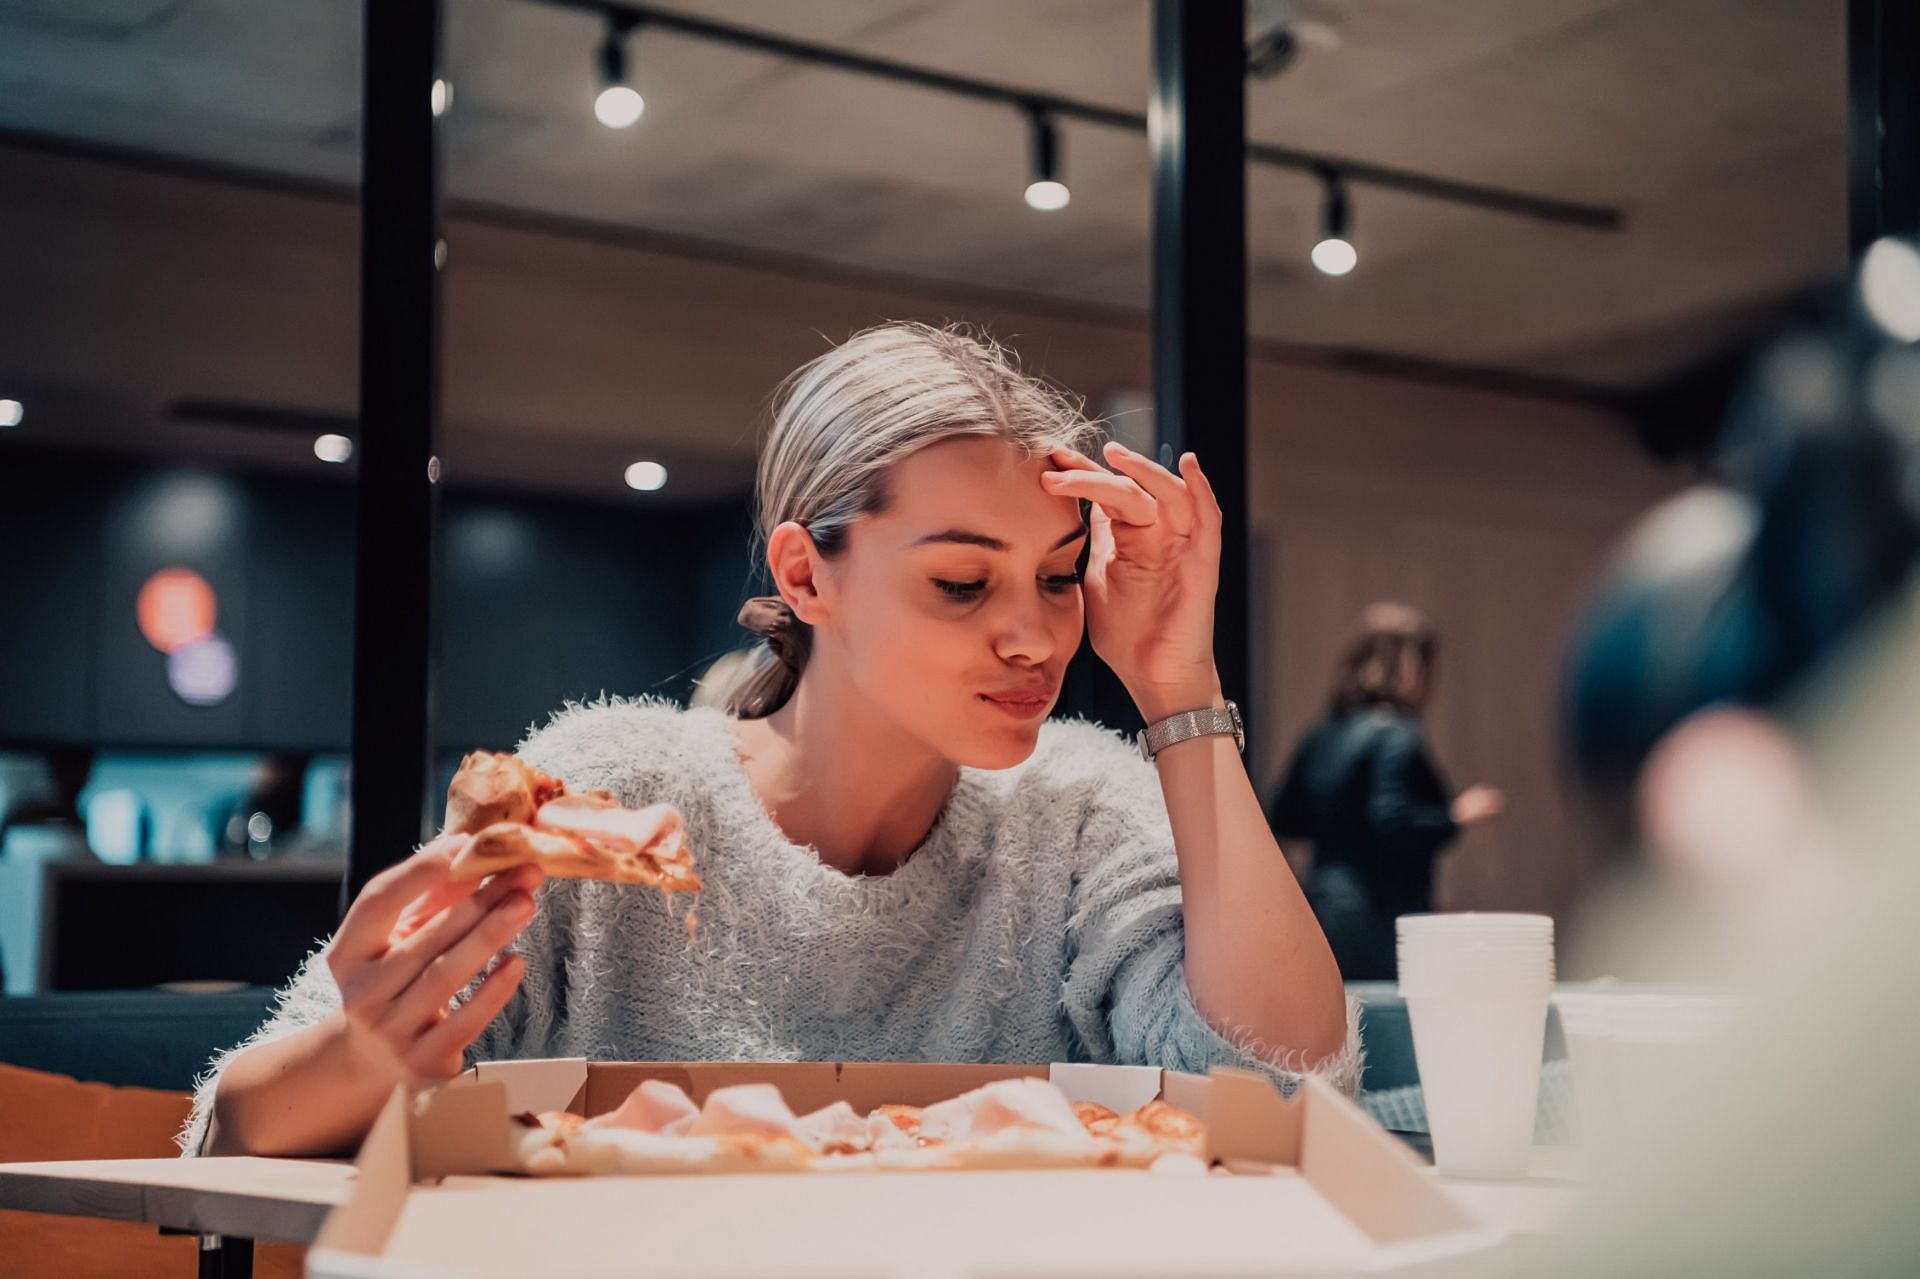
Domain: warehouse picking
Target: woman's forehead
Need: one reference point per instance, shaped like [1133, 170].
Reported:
[980, 485]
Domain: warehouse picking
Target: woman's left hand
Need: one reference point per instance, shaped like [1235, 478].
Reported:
[1153, 568]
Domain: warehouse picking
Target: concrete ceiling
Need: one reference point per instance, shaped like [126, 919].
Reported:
[1718, 126]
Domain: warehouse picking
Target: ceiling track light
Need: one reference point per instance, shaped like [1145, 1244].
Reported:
[1335, 254]
[1045, 190]
[617, 106]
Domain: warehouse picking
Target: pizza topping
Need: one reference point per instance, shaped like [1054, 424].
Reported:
[1159, 1119]
[602, 822]
[746, 1108]
[1097, 1119]
[905, 1118]
[835, 1130]
[893, 1132]
[655, 1106]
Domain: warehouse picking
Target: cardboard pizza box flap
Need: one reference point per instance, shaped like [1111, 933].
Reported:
[1119, 1088]
[1368, 1174]
[382, 1174]
[535, 1085]
[1249, 1121]
[460, 1130]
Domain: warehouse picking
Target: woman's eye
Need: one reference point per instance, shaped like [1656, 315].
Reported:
[1065, 582]
[961, 590]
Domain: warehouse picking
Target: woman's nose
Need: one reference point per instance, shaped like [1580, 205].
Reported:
[1024, 634]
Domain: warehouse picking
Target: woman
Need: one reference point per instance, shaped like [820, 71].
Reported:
[1364, 791]
[903, 858]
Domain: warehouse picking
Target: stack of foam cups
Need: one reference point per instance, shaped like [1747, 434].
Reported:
[1477, 988]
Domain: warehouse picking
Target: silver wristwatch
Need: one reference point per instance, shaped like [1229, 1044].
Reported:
[1161, 734]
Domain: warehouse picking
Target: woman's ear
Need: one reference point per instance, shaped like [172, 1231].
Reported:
[794, 560]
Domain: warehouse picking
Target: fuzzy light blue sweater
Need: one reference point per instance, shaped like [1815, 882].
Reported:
[1040, 921]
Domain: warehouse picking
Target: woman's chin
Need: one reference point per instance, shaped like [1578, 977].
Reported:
[1001, 746]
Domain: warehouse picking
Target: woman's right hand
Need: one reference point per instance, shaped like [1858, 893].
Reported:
[412, 940]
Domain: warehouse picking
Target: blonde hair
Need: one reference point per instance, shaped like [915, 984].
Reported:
[842, 421]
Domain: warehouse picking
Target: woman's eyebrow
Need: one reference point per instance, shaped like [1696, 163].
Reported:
[966, 538]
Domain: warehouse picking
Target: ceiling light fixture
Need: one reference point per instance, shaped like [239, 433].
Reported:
[12, 412]
[1045, 191]
[618, 105]
[647, 477]
[1335, 254]
[333, 448]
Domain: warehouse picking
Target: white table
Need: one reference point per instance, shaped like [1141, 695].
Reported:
[285, 1200]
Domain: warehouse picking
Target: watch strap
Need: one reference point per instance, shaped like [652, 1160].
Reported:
[1208, 721]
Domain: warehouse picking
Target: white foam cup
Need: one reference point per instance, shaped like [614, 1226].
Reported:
[1631, 1049]
[1477, 988]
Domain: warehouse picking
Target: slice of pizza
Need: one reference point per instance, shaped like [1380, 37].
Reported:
[519, 816]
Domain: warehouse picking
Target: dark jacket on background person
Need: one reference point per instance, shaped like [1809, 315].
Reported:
[1363, 790]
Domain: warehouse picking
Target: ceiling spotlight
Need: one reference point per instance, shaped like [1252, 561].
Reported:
[442, 97]
[11, 412]
[648, 477]
[618, 106]
[333, 448]
[1335, 254]
[1046, 191]
[1889, 284]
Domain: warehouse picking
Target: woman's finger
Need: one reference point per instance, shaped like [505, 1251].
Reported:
[438, 898]
[368, 928]
[1169, 490]
[1099, 540]
[1074, 460]
[1121, 497]
[426, 909]
[403, 964]
[449, 973]
[445, 1042]
[1206, 502]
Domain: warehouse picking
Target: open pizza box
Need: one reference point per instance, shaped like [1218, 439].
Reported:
[1302, 1185]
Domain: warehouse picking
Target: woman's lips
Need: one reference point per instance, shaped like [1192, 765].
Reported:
[1019, 705]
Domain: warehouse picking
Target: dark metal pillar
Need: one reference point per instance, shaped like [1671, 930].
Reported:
[394, 591]
[1883, 120]
[1197, 127]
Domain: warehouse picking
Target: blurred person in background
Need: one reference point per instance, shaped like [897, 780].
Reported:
[1743, 699]
[1364, 791]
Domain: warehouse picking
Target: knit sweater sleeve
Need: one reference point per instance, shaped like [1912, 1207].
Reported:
[309, 999]
[1126, 992]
